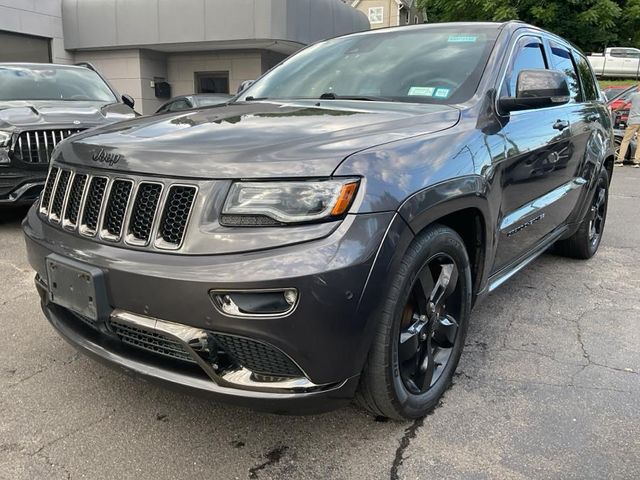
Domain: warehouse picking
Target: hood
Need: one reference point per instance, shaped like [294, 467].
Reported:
[254, 140]
[22, 114]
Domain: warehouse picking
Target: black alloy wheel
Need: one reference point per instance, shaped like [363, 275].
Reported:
[598, 213]
[420, 328]
[429, 327]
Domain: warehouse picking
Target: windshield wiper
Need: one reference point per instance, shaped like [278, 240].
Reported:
[254, 99]
[366, 98]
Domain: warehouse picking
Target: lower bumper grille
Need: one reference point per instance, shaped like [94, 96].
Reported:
[257, 356]
[150, 341]
[228, 351]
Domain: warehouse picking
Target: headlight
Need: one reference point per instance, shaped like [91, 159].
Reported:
[271, 203]
[5, 142]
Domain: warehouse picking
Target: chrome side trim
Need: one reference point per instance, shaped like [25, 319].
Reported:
[240, 378]
[518, 216]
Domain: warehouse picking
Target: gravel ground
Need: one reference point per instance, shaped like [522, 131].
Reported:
[548, 387]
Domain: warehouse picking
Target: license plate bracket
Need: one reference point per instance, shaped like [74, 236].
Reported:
[78, 287]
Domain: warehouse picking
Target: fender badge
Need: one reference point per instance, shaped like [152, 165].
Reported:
[108, 158]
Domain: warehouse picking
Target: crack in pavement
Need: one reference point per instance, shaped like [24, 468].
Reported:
[73, 358]
[409, 434]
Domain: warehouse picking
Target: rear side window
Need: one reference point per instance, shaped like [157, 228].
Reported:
[589, 86]
[180, 104]
[561, 60]
[528, 54]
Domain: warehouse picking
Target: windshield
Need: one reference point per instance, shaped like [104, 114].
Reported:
[49, 82]
[441, 64]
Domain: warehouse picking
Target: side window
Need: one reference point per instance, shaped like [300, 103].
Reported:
[528, 54]
[561, 60]
[165, 108]
[180, 104]
[633, 54]
[618, 52]
[589, 86]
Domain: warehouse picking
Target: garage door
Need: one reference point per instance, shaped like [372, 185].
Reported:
[15, 47]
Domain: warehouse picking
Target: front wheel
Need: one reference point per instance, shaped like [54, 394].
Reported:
[585, 242]
[421, 328]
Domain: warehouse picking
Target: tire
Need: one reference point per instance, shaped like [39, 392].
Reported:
[394, 384]
[585, 242]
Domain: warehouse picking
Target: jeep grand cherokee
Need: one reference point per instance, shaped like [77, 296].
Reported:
[326, 233]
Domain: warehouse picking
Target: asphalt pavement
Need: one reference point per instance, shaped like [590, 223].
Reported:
[548, 387]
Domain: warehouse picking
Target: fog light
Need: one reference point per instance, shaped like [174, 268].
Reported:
[291, 296]
[264, 303]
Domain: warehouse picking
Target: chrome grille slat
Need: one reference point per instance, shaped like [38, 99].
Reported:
[116, 209]
[176, 212]
[38, 147]
[74, 202]
[93, 206]
[59, 196]
[48, 190]
[144, 213]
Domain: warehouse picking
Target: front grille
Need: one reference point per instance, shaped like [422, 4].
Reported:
[75, 198]
[150, 341]
[48, 190]
[116, 208]
[105, 206]
[144, 211]
[176, 214]
[58, 198]
[93, 204]
[35, 146]
[257, 356]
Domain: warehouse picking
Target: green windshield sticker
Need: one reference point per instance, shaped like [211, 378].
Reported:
[463, 38]
[442, 93]
[422, 91]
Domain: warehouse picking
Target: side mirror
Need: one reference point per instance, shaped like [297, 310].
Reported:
[128, 100]
[537, 89]
[244, 85]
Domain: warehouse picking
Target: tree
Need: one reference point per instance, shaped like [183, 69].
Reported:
[590, 24]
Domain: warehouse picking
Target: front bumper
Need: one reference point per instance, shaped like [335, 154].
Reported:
[327, 335]
[20, 187]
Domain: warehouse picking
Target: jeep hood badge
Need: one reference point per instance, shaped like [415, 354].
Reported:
[107, 158]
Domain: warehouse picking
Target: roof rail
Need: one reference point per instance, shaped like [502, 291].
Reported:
[86, 65]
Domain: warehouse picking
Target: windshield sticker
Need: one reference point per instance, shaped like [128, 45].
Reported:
[463, 38]
[422, 91]
[442, 93]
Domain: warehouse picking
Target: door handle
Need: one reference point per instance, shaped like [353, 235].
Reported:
[561, 125]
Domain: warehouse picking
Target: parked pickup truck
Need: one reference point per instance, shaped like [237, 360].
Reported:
[616, 62]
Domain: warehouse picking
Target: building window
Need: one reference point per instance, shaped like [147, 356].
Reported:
[212, 82]
[376, 14]
[415, 19]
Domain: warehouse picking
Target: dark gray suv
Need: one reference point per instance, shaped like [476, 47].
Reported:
[41, 104]
[326, 233]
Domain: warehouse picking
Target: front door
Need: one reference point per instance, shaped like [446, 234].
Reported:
[538, 147]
